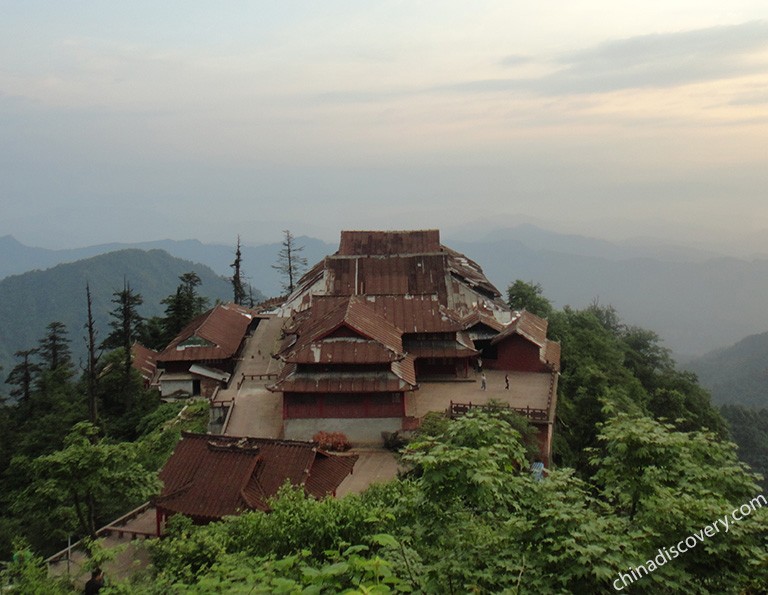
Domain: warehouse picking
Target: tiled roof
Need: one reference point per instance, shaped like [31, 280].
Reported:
[398, 263]
[552, 354]
[385, 243]
[347, 350]
[534, 329]
[352, 313]
[209, 476]
[439, 348]
[406, 370]
[400, 377]
[214, 335]
[470, 273]
[477, 317]
[415, 313]
[343, 383]
[395, 274]
[144, 360]
[529, 326]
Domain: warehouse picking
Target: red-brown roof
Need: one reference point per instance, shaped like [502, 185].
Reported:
[392, 275]
[386, 243]
[398, 263]
[415, 313]
[347, 350]
[214, 335]
[439, 348]
[401, 376]
[477, 317]
[552, 354]
[534, 329]
[354, 314]
[144, 360]
[528, 325]
[209, 477]
[470, 273]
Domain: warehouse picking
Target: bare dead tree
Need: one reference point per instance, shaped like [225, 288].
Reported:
[290, 263]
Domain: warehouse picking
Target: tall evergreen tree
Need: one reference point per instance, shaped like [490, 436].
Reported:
[290, 263]
[23, 375]
[93, 357]
[126, 324]
[183, 306]
[238, 288]
[54, 348]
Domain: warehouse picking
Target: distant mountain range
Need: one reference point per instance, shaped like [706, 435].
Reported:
[695, 305]
[17, 258]
[696, 300]
[736, 374]
[29, 302]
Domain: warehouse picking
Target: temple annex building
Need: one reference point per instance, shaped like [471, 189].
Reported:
[392, 326]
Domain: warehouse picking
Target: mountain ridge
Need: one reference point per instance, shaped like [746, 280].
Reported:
[31, 300]
[687, 297]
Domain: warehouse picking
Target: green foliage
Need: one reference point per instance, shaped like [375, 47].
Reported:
[470, 462]
[749, 429]
[23, 375]
[182, 306]
[473, 519]
[161, 430]
[297, 522]
[239, 294]
[88, 482]
[126, 322]
[123, 399]
[608, 367]
[27, 573]
[54, 351]
[28, 302]
[529, 296]
[669, 485]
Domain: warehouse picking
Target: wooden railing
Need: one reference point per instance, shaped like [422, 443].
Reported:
[244, 377]
[531, 413]
[107, 531]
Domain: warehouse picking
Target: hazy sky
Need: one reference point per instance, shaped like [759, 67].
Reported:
[138, 120]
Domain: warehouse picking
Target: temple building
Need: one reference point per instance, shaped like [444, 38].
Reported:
[394, 325]
[203, 356]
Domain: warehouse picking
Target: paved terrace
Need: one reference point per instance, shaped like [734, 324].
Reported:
[256, 411]
[129, 532]
[526, 389]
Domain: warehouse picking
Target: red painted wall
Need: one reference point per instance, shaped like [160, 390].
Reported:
[517, 354]
[355, 405]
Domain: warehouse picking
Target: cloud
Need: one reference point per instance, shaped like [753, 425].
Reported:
[515, 60]
[649, 61]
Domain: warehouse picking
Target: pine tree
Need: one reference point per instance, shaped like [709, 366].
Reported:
[54, 349]
[290, 263]
[23, 375]
[183, 306]
[126, 324]
[93, 358]
[238, 288]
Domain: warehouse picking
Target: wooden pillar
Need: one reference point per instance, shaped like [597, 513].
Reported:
[158, 520]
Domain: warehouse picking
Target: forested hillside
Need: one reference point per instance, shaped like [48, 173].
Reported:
[643, 465]
[257, 260]
[29, 302]
[736, 375]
